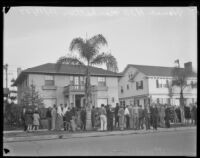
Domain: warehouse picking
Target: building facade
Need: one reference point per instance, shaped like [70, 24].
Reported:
[66, 85]
[144, 84]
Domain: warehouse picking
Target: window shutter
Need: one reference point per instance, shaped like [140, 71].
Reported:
[137, 85]
[157, 84]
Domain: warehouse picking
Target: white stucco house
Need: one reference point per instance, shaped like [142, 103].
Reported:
[67, 84]
[143, 84]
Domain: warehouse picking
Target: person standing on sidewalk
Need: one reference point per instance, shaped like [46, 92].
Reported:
[64, 116]
[59, 118]
[83, 119]
[23, 118]
[29, 119]
[162, 116]
[127, 115]
[130, 108]
[93, 116]
[48, 116]
[103, 118]
[167, 116]
[53, 117]
[141, 117]
[116, 115]
[110, 118]
[121, 117]
[136, 117]
[36, 120]
[147, 116]
[155, 117]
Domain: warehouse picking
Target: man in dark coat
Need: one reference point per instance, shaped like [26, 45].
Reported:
[93, 116]
[83, 119]
[68, 117]
[167, 116]
[155, 116]
[116, 115]
[48, 116]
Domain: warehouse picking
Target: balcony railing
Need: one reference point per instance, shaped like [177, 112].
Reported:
[81, 88]
[74, 88]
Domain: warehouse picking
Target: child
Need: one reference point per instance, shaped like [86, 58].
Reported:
[36, 122]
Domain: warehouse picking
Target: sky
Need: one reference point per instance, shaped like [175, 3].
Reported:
[136, 35]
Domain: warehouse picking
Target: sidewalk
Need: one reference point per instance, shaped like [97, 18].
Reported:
[48, 135]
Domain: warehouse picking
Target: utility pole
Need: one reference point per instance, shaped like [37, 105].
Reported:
[6, 69]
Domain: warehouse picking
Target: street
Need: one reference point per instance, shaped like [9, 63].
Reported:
[159, 143]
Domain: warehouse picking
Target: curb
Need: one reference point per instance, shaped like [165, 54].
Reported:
[85, 135]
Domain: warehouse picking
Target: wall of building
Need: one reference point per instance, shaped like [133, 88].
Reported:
[129, 94]
[61, 81]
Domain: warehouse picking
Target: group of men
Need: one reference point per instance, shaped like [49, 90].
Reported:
[67, 117]
[135, 117]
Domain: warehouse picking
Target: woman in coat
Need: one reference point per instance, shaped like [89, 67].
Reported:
[121, 117]
[29, 119]
[59, 118]
[53, 117]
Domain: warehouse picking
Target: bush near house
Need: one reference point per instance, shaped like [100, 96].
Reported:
[13, 115]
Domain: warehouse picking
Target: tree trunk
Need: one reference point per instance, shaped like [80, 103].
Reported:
[88, 100]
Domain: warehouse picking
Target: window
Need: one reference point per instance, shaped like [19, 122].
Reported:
[139, 85]
[81, 80]
[101, 81]
[71, 80]
[162, 83]
[127, 86]
[49, 80]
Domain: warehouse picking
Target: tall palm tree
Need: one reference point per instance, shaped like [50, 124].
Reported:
[88, 54]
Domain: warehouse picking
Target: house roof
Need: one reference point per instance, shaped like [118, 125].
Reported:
[155, 70]
[65, 69]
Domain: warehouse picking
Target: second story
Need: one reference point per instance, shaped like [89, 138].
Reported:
[144, 80]
[47, 77]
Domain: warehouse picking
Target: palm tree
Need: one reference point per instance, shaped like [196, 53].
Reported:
[88, 54]
[180, 77]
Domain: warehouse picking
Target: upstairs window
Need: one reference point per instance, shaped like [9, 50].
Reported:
[162, 83]
[127, 87]
[101, 81]
[139, 85]
[49, 80]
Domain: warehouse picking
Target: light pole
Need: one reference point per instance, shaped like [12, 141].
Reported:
[6, 69]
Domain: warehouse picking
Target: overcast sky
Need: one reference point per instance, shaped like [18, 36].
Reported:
[136, 35]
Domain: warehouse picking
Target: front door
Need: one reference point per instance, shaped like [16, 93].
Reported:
[78, 101]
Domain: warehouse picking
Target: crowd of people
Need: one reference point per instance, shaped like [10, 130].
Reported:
[108, 118]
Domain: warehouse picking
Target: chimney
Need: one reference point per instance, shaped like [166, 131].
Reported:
[18, 71]
[188, 67]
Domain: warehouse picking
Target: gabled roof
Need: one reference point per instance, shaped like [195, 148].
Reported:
[155, 70]
[65, 69]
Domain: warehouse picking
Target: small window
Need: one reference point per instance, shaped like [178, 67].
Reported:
[158, 101]
[127, 86]
[49, 80]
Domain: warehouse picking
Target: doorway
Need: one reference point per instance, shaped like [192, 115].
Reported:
[78, 101]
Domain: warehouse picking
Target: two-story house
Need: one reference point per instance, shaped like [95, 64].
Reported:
[67, 85]
[142, 84]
